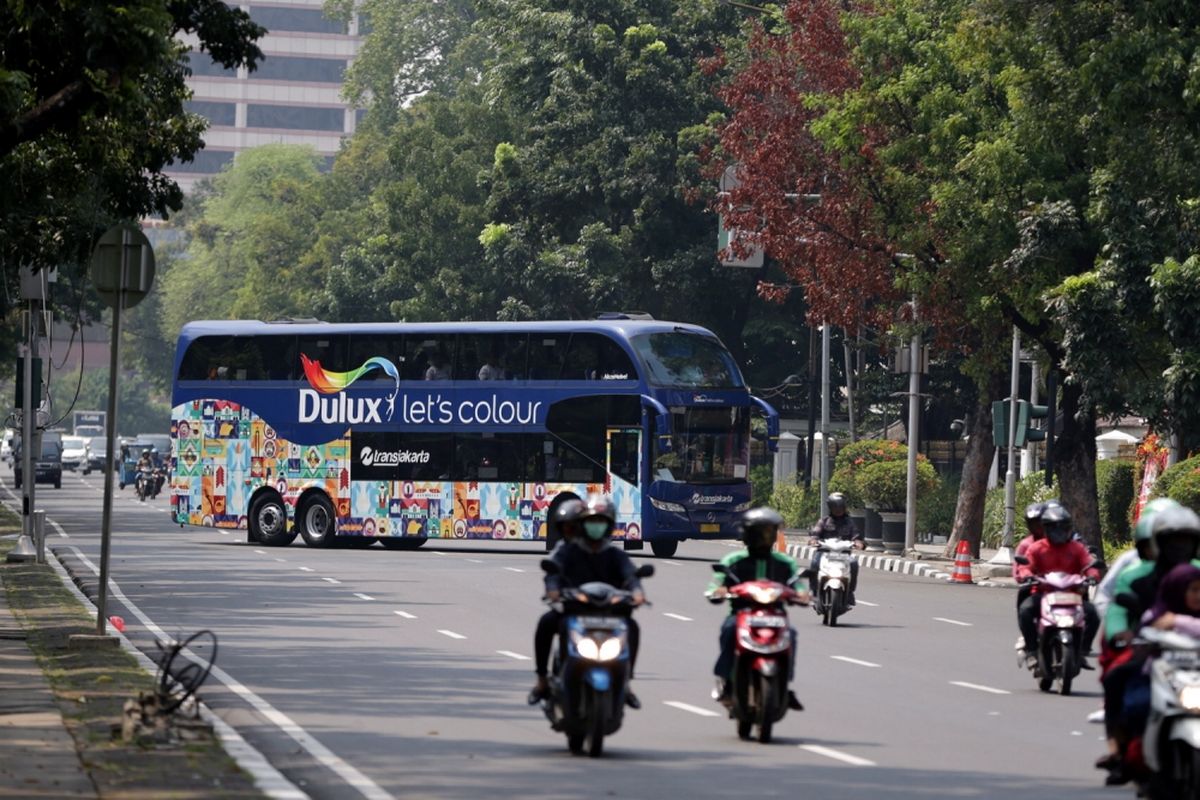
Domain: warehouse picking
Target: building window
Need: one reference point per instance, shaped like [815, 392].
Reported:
[205, 162]
[294, 68]
[202, 64]
[299, 118]
[216, 113]
[299, 20]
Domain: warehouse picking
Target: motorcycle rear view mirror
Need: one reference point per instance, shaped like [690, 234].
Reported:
[549, 567]
[645, 571]
[1021, 559]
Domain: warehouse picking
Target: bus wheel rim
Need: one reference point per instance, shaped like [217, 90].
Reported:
[268, 519]
[318, 521]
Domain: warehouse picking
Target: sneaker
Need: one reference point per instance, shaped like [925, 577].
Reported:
[1085, 664]
[631, 700]
[850, 600]
[1031, 661]
[722, 691]
[539, 692]
[794, 702]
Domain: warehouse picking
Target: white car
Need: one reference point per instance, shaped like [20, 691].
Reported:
[75, 454]
[6, 447]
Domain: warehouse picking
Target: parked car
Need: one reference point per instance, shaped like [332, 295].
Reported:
[98, 450]
[76, 455]
[6, 446]
[47, 468]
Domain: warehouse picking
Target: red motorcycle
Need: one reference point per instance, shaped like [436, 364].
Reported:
[763, 653]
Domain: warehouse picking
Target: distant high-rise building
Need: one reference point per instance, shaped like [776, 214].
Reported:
[293, 97]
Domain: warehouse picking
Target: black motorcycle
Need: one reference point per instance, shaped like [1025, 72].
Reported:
[591, 665]
[143, 484]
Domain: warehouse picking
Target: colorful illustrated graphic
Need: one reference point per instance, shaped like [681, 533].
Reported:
[327, 382]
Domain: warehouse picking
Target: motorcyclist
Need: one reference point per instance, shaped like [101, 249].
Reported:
[145, 472]
[837, 525]
[566, 518]
[1175, 532]
[591, 557]
[759, 561]
[1058, 552]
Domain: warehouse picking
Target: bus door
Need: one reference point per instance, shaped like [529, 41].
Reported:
[623, 454]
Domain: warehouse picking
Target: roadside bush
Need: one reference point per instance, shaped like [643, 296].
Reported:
[1162, 486]
[935, 510]
[1115, 495]
[1186, 490]
[865, 452]
[800, 507]
[842, 480]
[762, 479]
[884, 485]
[1030, 489]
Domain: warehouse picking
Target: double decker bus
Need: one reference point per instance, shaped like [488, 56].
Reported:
[403, 432]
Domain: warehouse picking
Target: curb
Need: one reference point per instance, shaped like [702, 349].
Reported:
[896, 564]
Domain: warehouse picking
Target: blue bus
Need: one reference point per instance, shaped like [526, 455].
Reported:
[401, 432]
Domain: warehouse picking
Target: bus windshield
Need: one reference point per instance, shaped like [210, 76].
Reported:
[708, 445]
[683, 360]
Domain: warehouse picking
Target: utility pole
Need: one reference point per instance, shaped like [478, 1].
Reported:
[914, 421]
[1004, 554]
[825, 356]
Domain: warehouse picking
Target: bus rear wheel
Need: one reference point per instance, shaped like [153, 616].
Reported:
[268, 521]
[664, 548]
[316, 521]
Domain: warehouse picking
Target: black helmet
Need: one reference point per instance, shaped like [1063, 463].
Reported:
[1056, 521]
[759, 528]
[1176, 533]
[599, 516]
[567, 514]
[836, 503]
[1033, 514]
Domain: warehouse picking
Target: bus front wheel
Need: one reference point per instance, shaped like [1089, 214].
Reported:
[268, 521]
[664, 548]
[316, 521]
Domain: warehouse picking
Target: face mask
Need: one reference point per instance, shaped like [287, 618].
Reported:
[596, 529]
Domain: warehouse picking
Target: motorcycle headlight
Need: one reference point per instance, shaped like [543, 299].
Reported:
[610, 649]
[587, 648]
[766, 595]
[1064, 620]
[1189, 698]
[663, 505]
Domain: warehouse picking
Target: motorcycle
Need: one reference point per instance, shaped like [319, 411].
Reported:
[158, 478]
[590, 671]
[833, 580]
[1171, 740]
[1060, 629]
[763, 653]
[144, 484]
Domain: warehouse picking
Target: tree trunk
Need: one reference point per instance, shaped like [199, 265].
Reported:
[972, 492]
[1075, 463]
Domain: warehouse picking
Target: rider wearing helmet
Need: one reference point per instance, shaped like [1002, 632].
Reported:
[565, 517]
[837, 525]
[589, 557]
[1058, 552]
[759, 561]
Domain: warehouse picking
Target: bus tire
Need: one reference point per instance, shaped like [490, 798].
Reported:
[664, 548]
[315, 518]
[268, 522]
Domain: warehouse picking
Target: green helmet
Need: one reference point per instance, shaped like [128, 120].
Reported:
[1142, 532]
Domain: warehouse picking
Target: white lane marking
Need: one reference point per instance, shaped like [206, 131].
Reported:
[865, 603]
[979, 688]
[679, 617]
[955, 622]
[318, 751]
[511, 654]
[58, 528]
[514, 569]
[224, 533]
[362, 596]
[331, 580]
[703, 712]
[451, 634]
[849, 660]
[405, 614]
[837, 755]
[1077, 733]
[475, 560]
[437, 552]
[281, 560]
[261, 552]
[307, 569]
[672, 563]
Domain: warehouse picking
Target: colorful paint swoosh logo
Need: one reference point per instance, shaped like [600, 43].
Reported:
[327, 382]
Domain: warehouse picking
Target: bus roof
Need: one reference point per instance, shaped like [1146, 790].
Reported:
[623, 327]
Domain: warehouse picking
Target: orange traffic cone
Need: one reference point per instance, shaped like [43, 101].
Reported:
[780, 541]
[962, 563]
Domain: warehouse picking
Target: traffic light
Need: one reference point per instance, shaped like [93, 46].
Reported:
[1026, 413]
[1000, 423]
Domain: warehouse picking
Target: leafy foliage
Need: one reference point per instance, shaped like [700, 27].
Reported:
[1186, 490]
[1116, 492]
[884, 485]
[799, 506]
[1166, 481]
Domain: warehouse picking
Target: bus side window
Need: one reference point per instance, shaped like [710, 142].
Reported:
[595, 357]
[546, 355]
[489, 457]
[327, 349]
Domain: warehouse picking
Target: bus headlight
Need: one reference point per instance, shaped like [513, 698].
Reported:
[663, 505]
[740, 507]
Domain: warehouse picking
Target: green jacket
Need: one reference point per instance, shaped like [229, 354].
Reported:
[1140, 582]
[775, 567]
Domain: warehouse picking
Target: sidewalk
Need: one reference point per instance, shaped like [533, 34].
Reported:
[37, 754]
[928, 562]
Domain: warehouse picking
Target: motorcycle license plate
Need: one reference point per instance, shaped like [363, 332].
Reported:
[600, 623]
[1065, 599]
[768, 622]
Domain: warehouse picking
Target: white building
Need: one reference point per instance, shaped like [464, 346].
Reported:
[293, 97]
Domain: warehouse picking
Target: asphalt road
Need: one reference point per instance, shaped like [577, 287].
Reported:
[375, 673]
